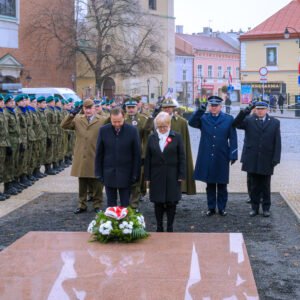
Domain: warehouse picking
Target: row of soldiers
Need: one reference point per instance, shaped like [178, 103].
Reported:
[31, 137]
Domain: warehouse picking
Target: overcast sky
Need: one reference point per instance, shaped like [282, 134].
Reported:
[224, 15]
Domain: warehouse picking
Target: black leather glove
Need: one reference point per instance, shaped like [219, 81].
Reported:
[9, 151]
[232, 161]
[22, 148]
[203, 106]
[49, 142]
[250, 107]
[156, 111]
[75, 110]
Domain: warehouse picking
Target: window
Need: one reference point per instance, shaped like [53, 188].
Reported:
[199, 71]
[8, 8]
[237, 72]
[228, 72]
[152, 4]
[271, 56]
[210, 71]
[184, 75]
[220, 72]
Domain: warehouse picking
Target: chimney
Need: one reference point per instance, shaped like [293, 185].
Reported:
[207, 30]
[179, 29]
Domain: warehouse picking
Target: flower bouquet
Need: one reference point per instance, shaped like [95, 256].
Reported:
[118, 224]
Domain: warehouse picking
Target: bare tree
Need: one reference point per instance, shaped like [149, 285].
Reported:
[108, 37]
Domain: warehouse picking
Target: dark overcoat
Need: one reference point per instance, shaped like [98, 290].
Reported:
[262, 144]
[218, 146]
[118, 157]
[164, 169]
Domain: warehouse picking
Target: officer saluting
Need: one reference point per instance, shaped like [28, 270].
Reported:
[218, 147]
[261, 153]
[144, 127]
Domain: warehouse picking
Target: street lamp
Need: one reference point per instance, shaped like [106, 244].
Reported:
[148, 85]
[287, 33]
[73, 78]
[161, 87]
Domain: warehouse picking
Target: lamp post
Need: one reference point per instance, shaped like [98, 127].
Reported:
[161, 87]
[73, 78]
[148, 85]
[287, 33]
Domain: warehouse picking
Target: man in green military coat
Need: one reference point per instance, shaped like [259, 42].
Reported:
[180, 125]
[11, 162]
[144, 128]
[5, 147]
[60, 137]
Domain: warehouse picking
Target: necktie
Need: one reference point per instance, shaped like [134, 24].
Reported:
[117, 131]
[261, 122]
[89, 119]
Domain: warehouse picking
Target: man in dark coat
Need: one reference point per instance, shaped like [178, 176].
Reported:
[218, 147]
[261, 153]
[118, 158]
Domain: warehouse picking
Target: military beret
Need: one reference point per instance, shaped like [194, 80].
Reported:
[131, 102]
[41, 99]
[214, 100]
[169, 102]
[103, 102]
[88, 103]
[70, 100]
[56, 99]
[65, 102]
[32, 97]
[261, 104]
[1, 97]
[49, 99]
[78, 103]
[8, 97]
[19, 98]
[26, 96]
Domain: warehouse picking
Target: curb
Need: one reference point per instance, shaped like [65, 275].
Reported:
[291, 206]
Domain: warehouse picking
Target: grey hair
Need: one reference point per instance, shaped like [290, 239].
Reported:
[163, 117]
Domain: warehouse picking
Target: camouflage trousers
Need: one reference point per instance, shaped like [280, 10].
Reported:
[42, 152]
[50, 149]
[22, 167]
[11, 164]
[2, 162]
[71, 143]
[34, 156]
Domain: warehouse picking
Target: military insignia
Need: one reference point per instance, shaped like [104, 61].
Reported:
[134, 122]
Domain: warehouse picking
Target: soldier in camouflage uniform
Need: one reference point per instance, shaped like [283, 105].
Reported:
[5, 148]
[11, 162]
[52, 135]
[22, 168]
[65, 112]
[31, 142]
[71, 136]
[144, 128]
[41, 104]
[35, 162]
[59, 151]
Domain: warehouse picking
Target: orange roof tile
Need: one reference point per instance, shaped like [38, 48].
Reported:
[275, 25]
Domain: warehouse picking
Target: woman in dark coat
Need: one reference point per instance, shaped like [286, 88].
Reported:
[164, 169]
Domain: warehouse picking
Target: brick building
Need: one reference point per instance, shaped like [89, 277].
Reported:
[21, 63]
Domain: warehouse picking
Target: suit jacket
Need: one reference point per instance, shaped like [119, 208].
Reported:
[218, 146]
[85, 143]
[262, 144]
[164, 169]
[118, 157]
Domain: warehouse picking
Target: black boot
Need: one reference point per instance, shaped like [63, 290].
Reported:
[49, 170]
[16, 186]
[56, 168]
[25, 181]
[2, 197]
[32, 178]
[159, 214]
[9, 189]
[37, 174]
[62, 165]
[171, 211]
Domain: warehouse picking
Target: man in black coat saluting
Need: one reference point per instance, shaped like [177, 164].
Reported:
[118, 158]
[261, 153]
